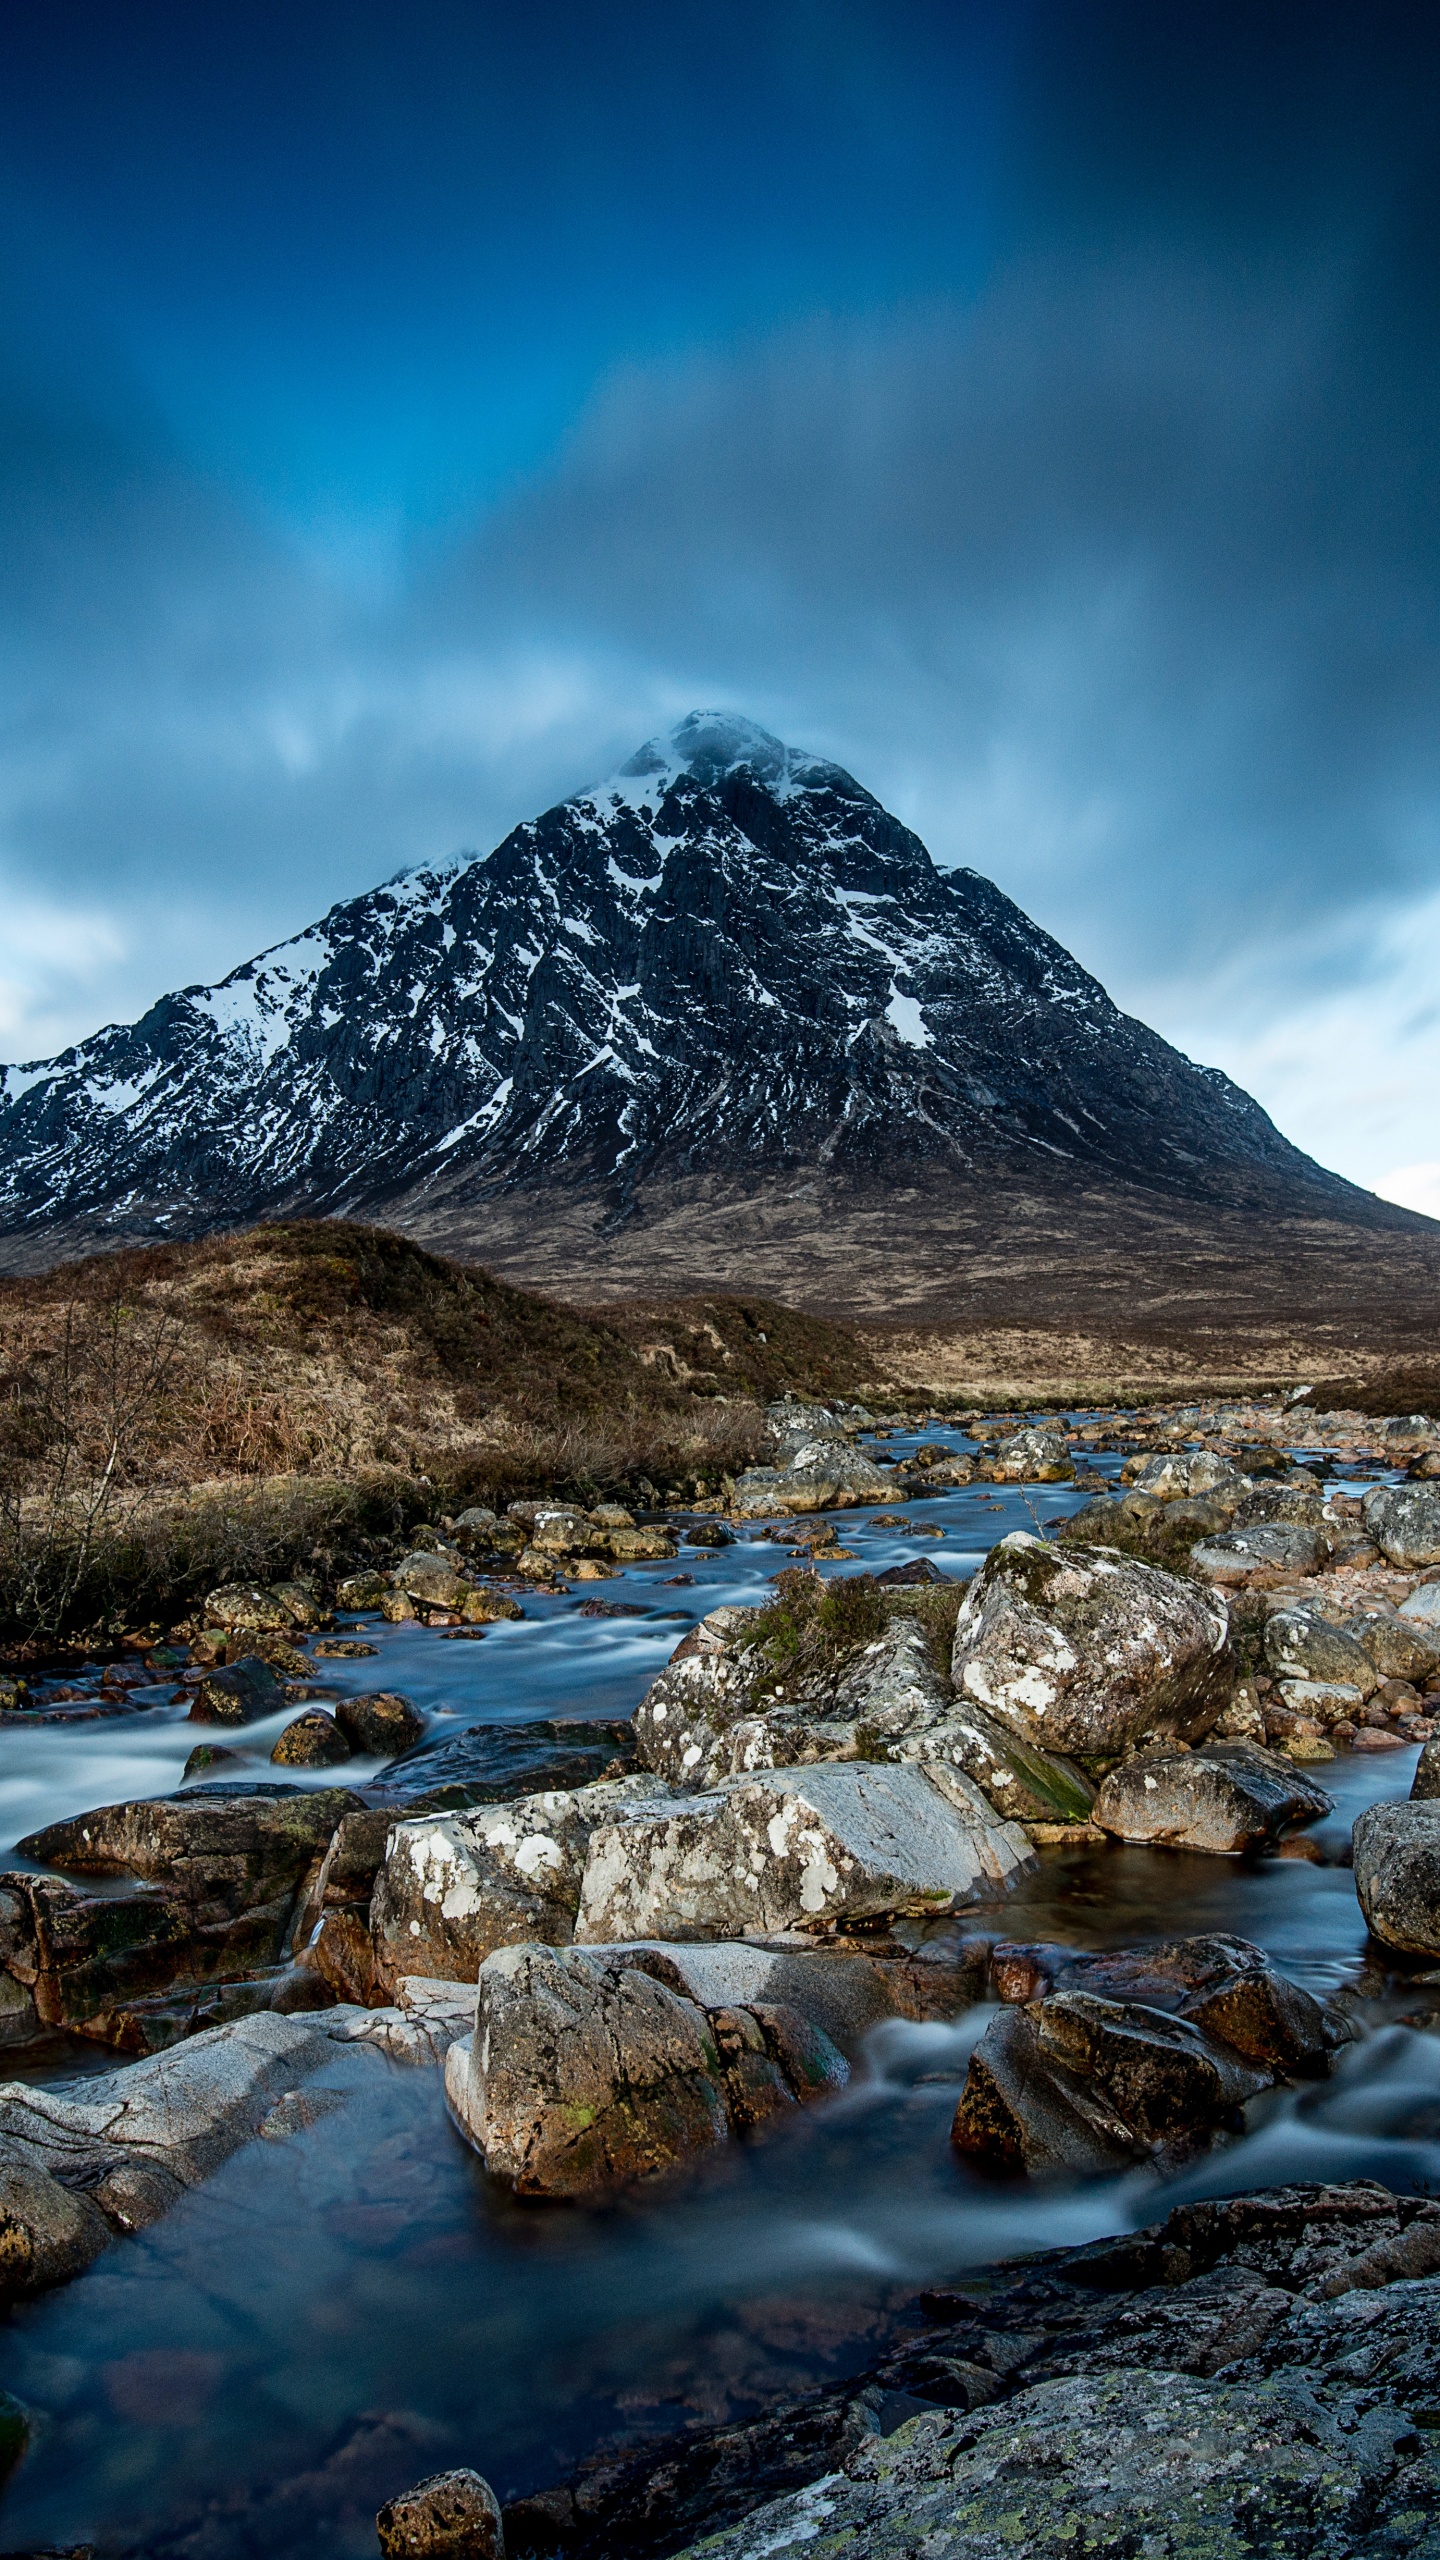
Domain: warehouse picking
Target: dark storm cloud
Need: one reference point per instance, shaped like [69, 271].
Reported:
[1109, 559]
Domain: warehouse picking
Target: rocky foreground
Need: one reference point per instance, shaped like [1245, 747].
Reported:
[629, 1944]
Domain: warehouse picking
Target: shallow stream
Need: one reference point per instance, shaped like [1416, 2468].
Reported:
[335, 2315]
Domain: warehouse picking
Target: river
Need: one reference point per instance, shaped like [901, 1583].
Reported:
[333, 2316]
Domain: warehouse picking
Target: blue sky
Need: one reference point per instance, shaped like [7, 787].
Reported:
[404, 411]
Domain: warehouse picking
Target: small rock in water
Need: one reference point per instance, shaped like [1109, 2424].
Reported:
[344, 1648]
[313, 1741]
[1224, 1797]
[455, 2515]
[381, 1725]
[208, 1756]
[241, 1694]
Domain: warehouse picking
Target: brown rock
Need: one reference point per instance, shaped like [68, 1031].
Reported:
[454, 2515]
[381, 1725]
[313, 1741]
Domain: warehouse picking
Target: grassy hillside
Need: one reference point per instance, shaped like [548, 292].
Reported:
[252, 1400]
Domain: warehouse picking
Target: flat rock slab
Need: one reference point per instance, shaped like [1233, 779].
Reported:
[1113, 2466]
[489, 1762]
[455, 1886]
[1223, 1797]
[785, 1847]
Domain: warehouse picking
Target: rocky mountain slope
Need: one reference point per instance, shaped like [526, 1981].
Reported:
[728, 967]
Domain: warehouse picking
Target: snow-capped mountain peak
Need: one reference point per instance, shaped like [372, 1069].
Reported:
[727, 957]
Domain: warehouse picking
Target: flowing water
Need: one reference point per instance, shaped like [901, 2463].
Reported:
[332, 2316]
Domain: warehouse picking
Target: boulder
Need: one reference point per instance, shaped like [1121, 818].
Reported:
[817, 1474]
[591, 2068]
[1239, 1556]
[578, 2079]
[430, 1581]
[313, 1741]
[245, 1608]
[1223, 1797]
[1325, 1702]
[1397, 1874]
[1033, 1456]
[480, 1606]
[223, 1866]
[781, 1848]
[843, 1995]
[381, 1725]
[1298, 1500]
[362, 1590]
[241, 1693]
[454, 2515]
[1079, 2082]
[1400, 1648]
[1301, 1646]
[455, 1886]
[1088, 1653]
[641, 1546]
[564, 1532]
[1404, 1521]
[1180, 1475]
[713, 1713]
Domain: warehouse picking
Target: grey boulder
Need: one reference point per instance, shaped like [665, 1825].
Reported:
[1301, 1646]
[1404, 1521]
[1397, 1874]
[1083, 1651]
[807, 1847]
[1084, 2082]
[1238, 1556]
[1223, 1797]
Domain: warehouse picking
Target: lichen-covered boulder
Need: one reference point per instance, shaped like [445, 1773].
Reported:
[1180, 1475]
[816, 1473]
[240, 1693]
[1224, 1797]
[1400, 1648]
[783, 1848]
[454, 1886]
[1397, 1874]
[429, 1581]
[1033, 1456]
[1088, 1653]
[713, 1713]
[1404, 1521]
[313, 1741]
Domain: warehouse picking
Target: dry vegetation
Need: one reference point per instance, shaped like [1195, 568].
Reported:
[286, 1394]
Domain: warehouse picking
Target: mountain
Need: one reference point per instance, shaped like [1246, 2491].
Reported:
[727, 968]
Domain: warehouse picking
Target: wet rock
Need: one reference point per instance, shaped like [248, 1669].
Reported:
[1081, 2082]
[786, 1847]
[107, 2154]
[455, 1886]
[1239, 1556]
[362, 1590]
[207, 1759]
[1084, 1652]
[1301, 1646]
[240, 1693]
[480, 1606]
[843, 1995]
[641, 1546]
[380, 1726]
[313, 1741]
[1397, 1874]
[708, 1533]
[491, 1762]
[579, 2080]
[454, 2515]
[1033, 1456]
[1404, 1521]
[222, 1868]
[1120, 2463]
[1223, 1985]
[1224, 1797]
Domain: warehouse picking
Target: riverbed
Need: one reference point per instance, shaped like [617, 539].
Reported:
[334, 2315]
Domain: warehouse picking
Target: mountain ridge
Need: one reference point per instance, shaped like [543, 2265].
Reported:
[729, 962]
